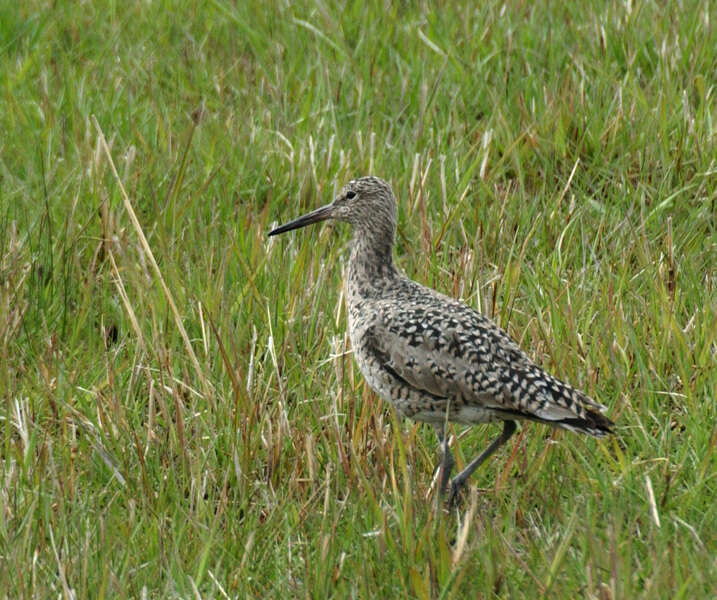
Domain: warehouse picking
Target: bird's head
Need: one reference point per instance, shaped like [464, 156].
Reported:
[366, 203]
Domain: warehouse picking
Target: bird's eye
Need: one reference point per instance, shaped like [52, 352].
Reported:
[351, 195]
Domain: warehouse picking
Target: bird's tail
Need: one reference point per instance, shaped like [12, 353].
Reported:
[586, 414]
[593, 423]
[548, 400]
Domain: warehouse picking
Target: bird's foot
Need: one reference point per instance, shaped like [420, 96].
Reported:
[455, 493]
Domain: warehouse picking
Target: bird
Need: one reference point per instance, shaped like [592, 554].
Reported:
[432, 357]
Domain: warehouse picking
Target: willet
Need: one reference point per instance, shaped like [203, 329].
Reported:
[432, 357]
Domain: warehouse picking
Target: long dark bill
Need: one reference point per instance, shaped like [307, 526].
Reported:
[320, 214]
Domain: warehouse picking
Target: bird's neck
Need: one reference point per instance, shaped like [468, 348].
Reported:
[370, 265]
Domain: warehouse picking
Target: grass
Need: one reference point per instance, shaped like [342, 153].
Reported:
[556, 168]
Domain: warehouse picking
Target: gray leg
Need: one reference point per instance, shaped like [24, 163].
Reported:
[447, 462]
[460, 479]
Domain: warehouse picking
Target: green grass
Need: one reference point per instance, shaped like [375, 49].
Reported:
[556, 168]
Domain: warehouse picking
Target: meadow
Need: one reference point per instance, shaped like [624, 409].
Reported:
[180, 413]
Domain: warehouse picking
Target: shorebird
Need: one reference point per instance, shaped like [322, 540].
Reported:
[432, 357]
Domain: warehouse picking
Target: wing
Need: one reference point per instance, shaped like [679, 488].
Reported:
[452, 352]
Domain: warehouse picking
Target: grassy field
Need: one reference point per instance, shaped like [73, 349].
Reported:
[180, 413]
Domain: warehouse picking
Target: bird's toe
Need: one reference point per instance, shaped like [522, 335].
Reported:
[455, 493]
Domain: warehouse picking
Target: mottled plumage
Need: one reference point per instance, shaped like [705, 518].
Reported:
[432, 357]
